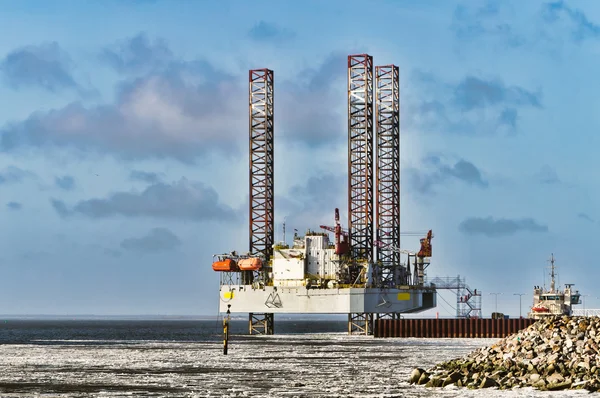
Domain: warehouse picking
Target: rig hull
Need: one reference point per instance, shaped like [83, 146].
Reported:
[300, 300]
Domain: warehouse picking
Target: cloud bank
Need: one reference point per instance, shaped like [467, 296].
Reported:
[494, 228]
[157, 240]
[182, 200]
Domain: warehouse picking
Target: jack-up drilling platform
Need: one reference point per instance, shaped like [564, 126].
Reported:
[361, 273]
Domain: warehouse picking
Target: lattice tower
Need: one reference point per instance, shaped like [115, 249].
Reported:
[360, 155]
[387, 104]
[261, 162]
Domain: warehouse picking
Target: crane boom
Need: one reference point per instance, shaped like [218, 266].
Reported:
[341, 246]
[425, 250]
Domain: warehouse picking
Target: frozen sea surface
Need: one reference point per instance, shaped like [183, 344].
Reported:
[186, 360]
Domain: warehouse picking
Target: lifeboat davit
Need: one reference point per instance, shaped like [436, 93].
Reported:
[227, 265]
[250, 264]
[540, 308]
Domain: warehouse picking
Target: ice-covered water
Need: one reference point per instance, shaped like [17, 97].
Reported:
[185, 359]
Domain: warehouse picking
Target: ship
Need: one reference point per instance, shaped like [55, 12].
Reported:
[553, 302]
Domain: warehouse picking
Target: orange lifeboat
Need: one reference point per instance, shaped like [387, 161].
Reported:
[540, 308]
[227, 265]
[250, 264]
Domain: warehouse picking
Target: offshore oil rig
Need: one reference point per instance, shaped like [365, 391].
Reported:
[363, 272]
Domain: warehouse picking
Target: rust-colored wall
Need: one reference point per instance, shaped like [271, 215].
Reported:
[456, 327]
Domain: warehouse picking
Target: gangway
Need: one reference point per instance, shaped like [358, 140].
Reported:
[468, 301]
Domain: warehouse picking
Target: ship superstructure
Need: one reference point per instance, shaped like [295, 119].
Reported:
[360, 273]
[553, 301]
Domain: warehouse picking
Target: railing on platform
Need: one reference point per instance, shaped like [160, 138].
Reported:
[468, 300]
[586, 312]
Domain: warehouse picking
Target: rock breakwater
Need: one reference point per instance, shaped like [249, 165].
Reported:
[553, 354]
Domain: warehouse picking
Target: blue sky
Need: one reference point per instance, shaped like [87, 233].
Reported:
[123, 141]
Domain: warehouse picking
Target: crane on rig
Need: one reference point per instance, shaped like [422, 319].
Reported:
[342, 246]
[420, 259]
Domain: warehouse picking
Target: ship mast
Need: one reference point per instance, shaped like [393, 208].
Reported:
[552, 273]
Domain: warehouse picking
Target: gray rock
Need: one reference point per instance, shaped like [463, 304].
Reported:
[568, 343]
[555, 378]
[584, 365]
[423, 379]
[558, 386]
[541, 383]
[488, 382]
[552, 358]
[415, 375]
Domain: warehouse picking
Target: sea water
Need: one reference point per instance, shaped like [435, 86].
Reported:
[184, 358]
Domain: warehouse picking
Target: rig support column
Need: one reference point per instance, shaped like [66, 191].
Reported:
[262, 323]
[360, 155]
[261, 168]
[360, 323]
[388, 315]
[388, 175]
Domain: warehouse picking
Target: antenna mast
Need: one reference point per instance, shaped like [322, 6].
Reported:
[552, 273]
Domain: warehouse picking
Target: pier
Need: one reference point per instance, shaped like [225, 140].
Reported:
[450, 328]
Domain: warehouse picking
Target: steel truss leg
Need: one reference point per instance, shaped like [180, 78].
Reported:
[261, 125]
[360, 323]
[389, 315]
[261, 323]
[360, 155]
